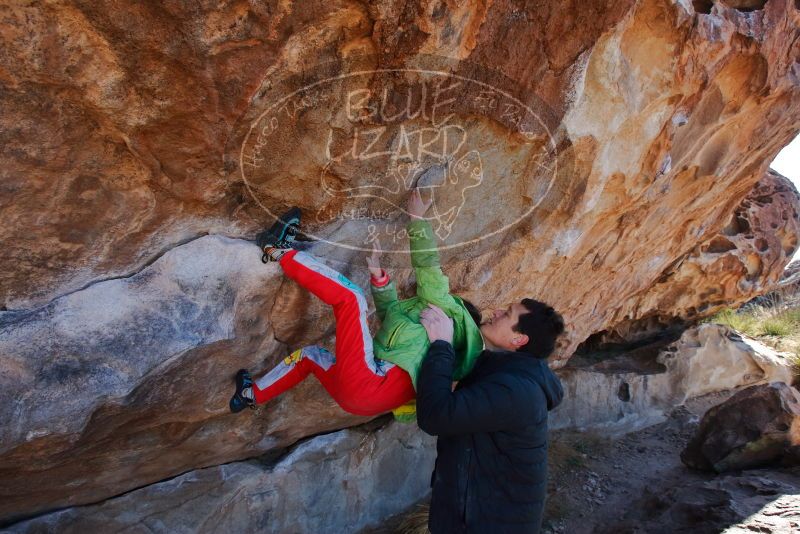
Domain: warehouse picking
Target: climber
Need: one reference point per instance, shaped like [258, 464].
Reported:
[369, 376]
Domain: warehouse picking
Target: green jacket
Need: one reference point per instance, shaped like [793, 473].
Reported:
[401, 338]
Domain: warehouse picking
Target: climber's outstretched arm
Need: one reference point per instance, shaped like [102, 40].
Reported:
[432, 284]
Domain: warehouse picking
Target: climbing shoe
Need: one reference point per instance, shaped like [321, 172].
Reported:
[239, 401]
[280, 235]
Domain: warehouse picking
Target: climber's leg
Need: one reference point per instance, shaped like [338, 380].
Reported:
[353, 341]
[353, 378]
[357, 382]
[275, 240]
[370, 397]
[376, 395]
[293, 369]
[243, 396]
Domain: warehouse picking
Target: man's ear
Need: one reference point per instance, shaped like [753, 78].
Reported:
[520, 340]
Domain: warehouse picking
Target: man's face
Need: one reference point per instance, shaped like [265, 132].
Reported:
[497, 327]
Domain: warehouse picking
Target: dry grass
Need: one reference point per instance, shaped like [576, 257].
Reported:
[775, 324]
[416, 522]
[564, 455]
[571, 450]
[568, 452]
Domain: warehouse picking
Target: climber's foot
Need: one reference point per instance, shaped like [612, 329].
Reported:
[273, 254]
[244, 392]
[280, 235]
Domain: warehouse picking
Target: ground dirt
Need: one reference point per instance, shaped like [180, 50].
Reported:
[600, 484]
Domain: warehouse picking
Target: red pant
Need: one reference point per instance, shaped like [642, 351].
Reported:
[358, 383]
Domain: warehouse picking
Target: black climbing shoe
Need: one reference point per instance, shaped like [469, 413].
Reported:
[281, 234]
[238, 401]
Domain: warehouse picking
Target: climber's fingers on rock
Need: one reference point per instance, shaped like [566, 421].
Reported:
[375, 256]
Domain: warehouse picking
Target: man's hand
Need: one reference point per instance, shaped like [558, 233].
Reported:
[437, 324]
[374, 260]
[416, 206]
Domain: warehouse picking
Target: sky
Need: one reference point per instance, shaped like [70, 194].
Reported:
[787, 162]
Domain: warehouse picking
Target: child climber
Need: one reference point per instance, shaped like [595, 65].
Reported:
[366, 375]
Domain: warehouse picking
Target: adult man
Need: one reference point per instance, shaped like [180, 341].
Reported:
[491, 464]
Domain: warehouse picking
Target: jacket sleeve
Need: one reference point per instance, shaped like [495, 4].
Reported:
[383, 296]
[432, 284]
[497, 403]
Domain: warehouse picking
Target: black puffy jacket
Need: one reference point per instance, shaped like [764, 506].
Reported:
[491, 464]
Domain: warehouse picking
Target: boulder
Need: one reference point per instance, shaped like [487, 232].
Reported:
[638, 385]
[756, 427]
[139, 154]
[127, 382]
[702, 282]
[712, 357]
[338, 482]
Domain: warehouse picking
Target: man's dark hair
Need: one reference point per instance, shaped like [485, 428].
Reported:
[542, 324]
[473, 311]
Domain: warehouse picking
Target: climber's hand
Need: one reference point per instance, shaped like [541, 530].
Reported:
[416, 206]
[374, 260]
[437, 324]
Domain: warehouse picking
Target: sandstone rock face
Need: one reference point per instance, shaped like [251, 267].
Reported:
[127, 382]
[756, 427]
[744, 258]
[785, 293]
[638, 387]
[130, 299]
[349, 469]
[713, 357]
[668, 116]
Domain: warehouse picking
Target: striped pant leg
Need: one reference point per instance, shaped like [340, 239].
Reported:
[357, 383]
[294, 369]
[354, 353]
